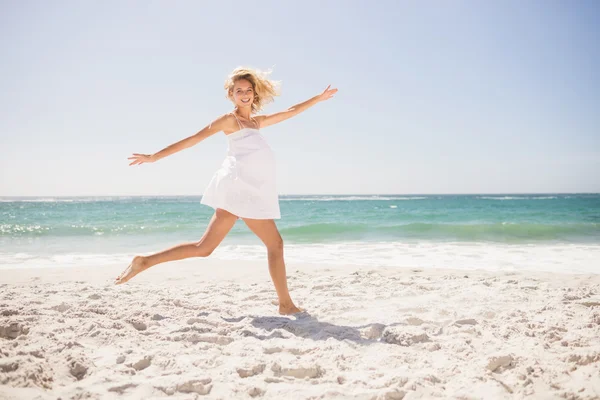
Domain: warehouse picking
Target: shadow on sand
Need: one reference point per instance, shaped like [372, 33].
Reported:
[306, 326]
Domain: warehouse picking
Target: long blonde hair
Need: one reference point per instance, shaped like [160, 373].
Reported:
[264, 88]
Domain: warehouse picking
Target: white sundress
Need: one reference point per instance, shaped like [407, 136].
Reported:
[245, 184]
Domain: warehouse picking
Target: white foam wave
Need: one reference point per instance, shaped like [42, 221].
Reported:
[62, 199]
[517, 197]
[26, 260]
[350, 198]
[561, 258]
[565, 258]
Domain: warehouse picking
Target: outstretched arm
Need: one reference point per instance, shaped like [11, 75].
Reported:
[266, 120]
[214, 127]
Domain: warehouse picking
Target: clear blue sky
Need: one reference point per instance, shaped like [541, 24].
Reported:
[434, 97]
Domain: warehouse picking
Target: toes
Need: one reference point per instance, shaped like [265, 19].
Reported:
[119, 279]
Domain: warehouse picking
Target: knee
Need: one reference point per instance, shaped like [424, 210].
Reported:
[276, 248]
[202, 249]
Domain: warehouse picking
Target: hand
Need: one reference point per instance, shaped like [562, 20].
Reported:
[140, 159]
[327, 93]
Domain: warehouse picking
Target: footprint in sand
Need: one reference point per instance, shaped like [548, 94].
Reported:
[250, 371]
[433, 347]
[122, 388]
[139, 325]
[299, 372]
[414, 321]
[256, 391]
[77, 369]
[204, 321]
[272, 350]
[462, 322]
[584, 359]
[97, 310]
[200, 386]
[13, 330]
[404, 339]
[269, 379]
[141, 364]
[393, 395]
[294, 351]
[61, 307]
[8, 366]
[220, 340]
[500, 361]
[590, 303]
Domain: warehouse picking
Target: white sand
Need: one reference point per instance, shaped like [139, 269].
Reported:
[208, 329]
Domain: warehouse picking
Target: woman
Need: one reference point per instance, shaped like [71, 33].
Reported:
[244, 187]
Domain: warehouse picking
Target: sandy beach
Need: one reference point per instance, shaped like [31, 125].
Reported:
[209, 329]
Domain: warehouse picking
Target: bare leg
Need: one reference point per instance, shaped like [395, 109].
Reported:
[220, 224]
[267, 231]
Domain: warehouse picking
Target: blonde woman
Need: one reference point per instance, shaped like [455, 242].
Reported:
[244, 187]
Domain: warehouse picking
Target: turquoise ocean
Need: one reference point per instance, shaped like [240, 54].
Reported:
[555, 232]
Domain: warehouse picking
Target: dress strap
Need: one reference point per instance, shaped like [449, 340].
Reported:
[238, 120]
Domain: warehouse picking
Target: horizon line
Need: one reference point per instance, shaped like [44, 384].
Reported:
[312, 194]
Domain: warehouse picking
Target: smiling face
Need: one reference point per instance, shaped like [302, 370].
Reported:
[243, 93]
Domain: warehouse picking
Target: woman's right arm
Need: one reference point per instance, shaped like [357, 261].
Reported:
[214, 127]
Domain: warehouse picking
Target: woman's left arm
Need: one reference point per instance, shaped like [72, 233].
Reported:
[271, 119]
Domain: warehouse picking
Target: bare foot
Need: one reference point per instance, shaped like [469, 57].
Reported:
[289, 310]
[136, 266]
